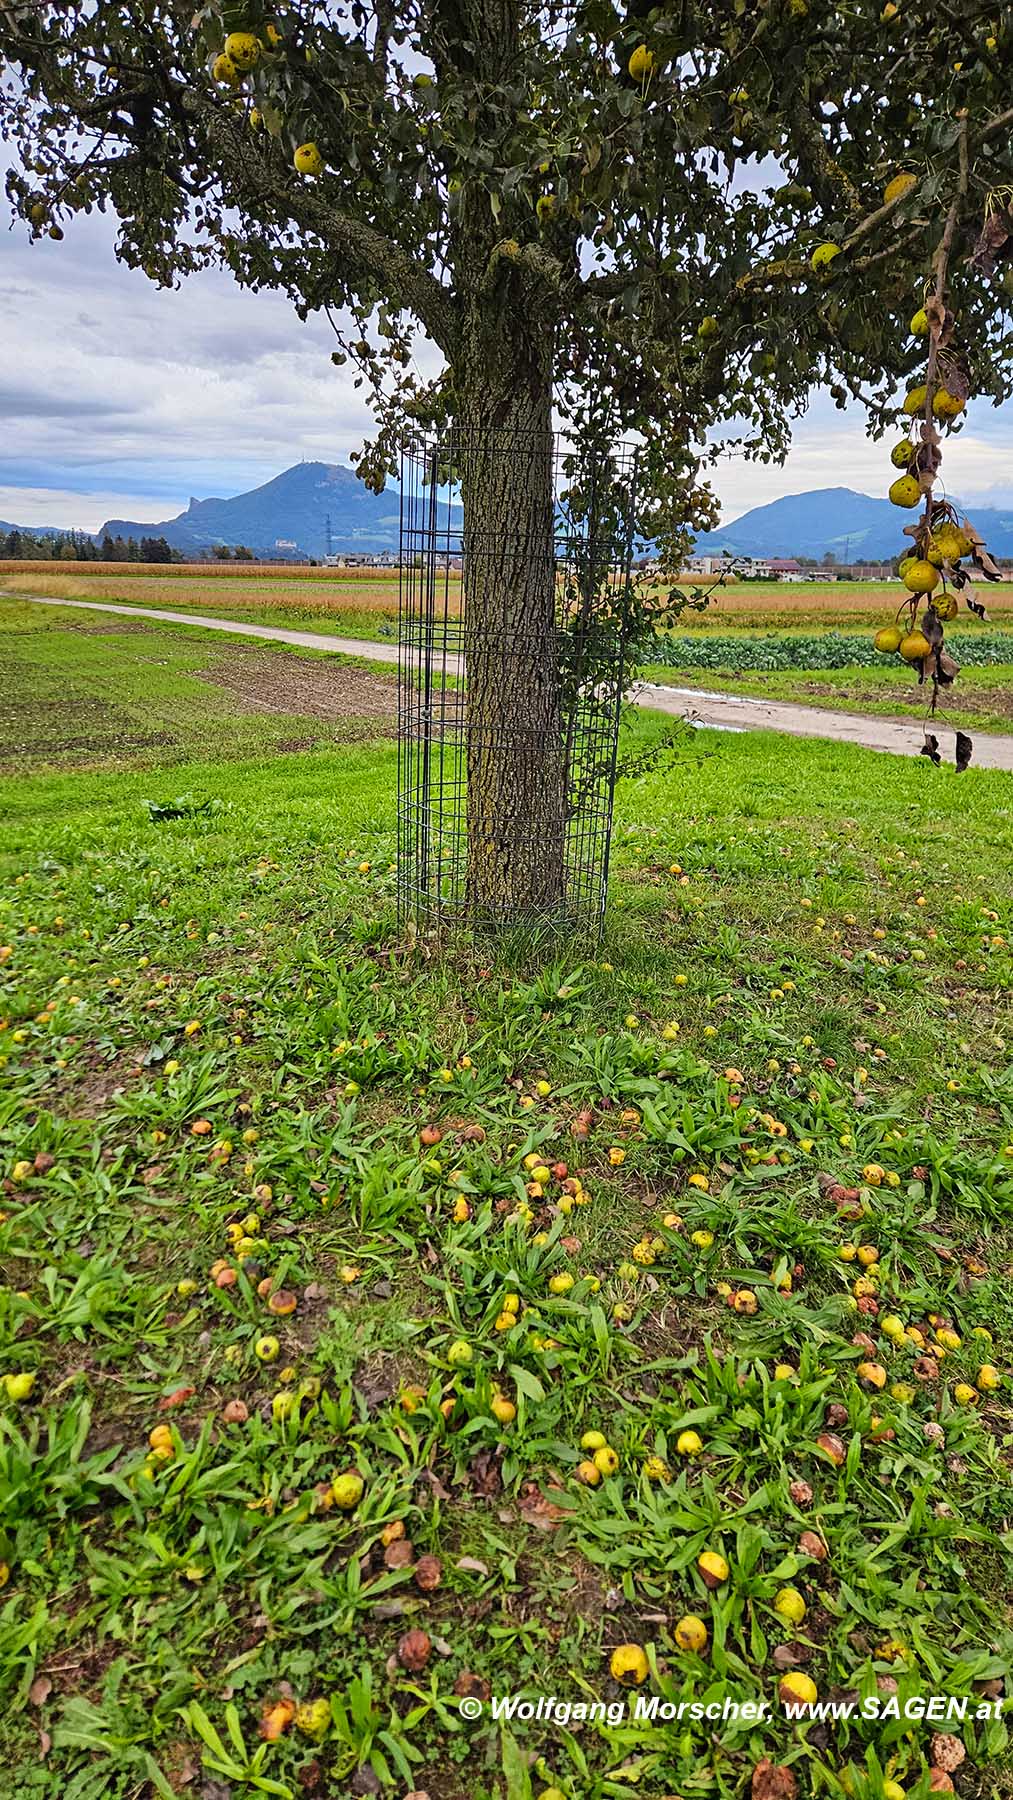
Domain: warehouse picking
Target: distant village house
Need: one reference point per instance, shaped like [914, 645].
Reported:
[362, 559]
[746, 568]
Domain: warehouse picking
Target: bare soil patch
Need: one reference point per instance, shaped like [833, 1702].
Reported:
[336, 692]
[115, 628]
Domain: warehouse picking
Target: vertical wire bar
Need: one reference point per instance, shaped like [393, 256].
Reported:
[404, 735]
[632, 502]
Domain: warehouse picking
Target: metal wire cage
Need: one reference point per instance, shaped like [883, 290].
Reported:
[582, 547]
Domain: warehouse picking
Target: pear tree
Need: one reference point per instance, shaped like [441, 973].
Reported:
[668, 221]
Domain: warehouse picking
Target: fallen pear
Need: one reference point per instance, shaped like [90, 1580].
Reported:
[713, 1568]
[347, 1490]
[691, 1634]
[628, 1665]
[19, 1387]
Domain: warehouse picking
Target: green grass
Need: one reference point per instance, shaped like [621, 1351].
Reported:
[353, 609]
[348, 621]
[832, 926]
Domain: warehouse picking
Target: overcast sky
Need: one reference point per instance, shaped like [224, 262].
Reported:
[121, 400]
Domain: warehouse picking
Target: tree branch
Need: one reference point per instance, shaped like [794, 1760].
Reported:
[783, 268]
[940, 266]
[607, 286]
[999, 123]
[532, 257]
[786, 269]
[386, 16]
[818, 163]
[871, 220]
[405, 280]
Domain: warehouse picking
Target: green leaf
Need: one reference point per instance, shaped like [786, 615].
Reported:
[158, 1780]
[527, 1384]
[235, 1731]
[198, 1719]
[515, 1767]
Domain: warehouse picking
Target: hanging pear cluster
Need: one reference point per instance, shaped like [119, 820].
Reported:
[947, 554]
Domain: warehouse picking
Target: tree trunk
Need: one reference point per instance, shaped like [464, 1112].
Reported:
[516, 777]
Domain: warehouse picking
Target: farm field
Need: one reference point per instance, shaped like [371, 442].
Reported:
[364, 603]
[830, 606]
[733, 651]
[179, 694]
[322, 1257]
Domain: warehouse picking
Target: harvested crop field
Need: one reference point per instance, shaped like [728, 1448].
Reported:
[77, 691]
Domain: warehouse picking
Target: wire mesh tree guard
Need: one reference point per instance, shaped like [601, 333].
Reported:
[516, 567]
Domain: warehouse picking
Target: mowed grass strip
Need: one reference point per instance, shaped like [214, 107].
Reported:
[330, 1263]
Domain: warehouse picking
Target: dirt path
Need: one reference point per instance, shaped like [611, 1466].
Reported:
[738, 712]
[724, 712]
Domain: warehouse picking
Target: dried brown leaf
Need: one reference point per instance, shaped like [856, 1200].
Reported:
[927, 459]
[986, 564]
[947, 1751]
[941, 320]
[993, 237]
[178, 1397]
[485, 1476]
[538, 1510]
[773, 1781]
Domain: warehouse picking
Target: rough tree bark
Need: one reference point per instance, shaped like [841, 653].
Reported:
[502, 365]
[515, 753]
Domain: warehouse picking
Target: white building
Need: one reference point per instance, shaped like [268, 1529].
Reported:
[728, 564]
[363, 559]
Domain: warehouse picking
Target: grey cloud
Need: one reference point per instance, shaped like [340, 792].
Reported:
[35, 401]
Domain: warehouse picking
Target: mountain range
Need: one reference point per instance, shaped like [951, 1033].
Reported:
[288, 517]
[855, 527]
[291, 510]
[35, 530]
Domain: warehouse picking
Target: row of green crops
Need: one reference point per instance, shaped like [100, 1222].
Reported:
[830, 650]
